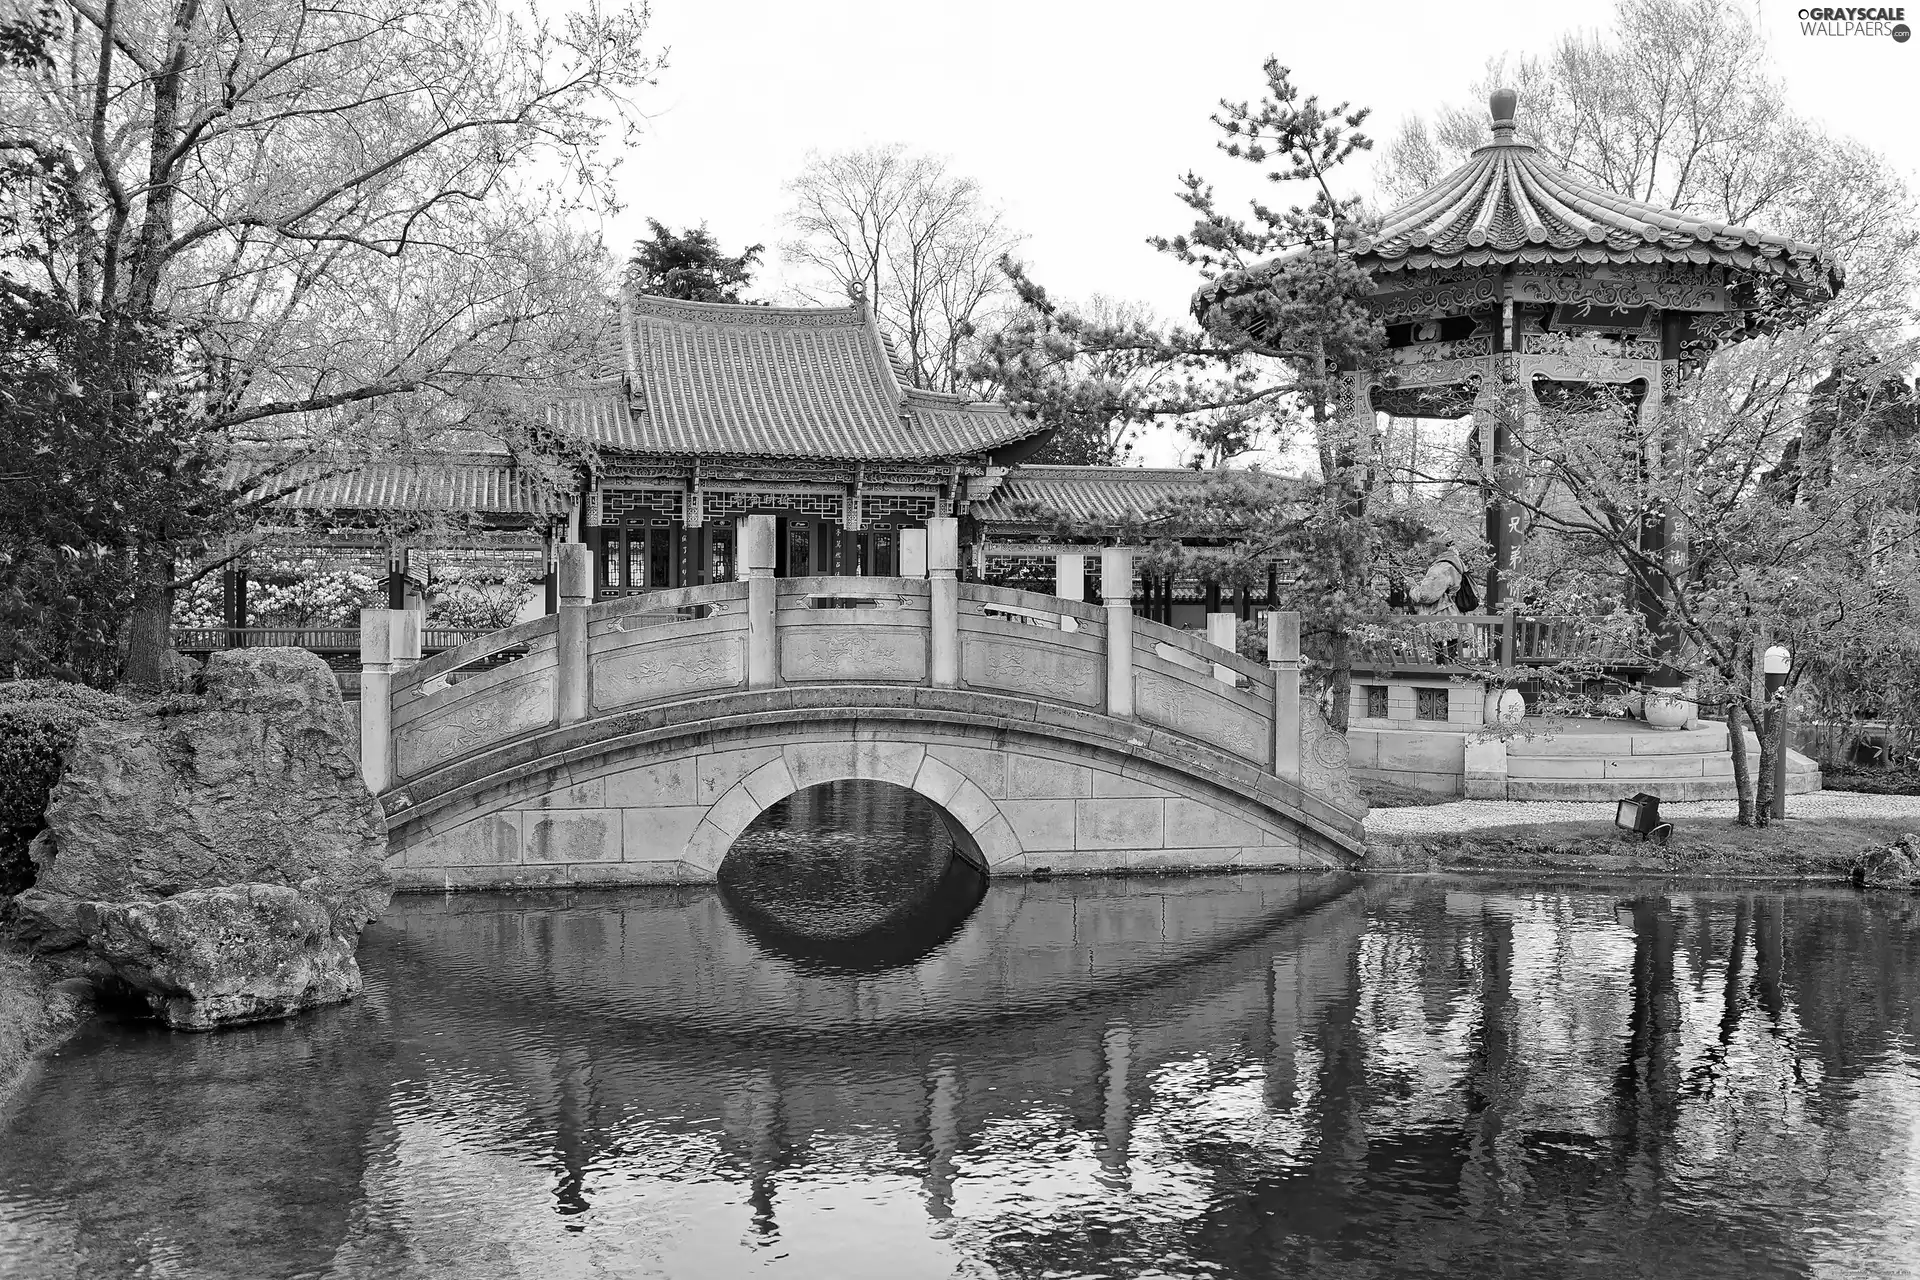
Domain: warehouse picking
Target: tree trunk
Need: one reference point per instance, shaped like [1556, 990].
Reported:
[1341, 650]
[1768, 731]
[1737, 746]
[149, 620]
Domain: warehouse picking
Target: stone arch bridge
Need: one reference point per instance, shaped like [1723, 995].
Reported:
[631, 741]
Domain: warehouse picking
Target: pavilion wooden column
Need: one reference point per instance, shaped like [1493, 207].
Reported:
[1283, 658]
[943, 585]
[575, 572]
[1116, 591]
[397, 565]
[233, 602]
[550, 578]
[753, 545]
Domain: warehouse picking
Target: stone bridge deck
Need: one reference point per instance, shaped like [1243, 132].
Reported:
[631, 741]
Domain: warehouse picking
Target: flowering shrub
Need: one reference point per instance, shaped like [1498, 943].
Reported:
[467, 599]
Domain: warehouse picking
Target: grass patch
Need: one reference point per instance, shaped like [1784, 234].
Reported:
[1391, 795]
[1802, 849]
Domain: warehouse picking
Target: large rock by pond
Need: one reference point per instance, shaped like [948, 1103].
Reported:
[220, 856]
[1895, 867]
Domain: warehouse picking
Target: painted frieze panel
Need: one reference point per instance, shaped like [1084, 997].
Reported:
[1038, 670]
[1185, 708]
[857, 653]
[1478, 347]
[669, 669]
[1622, 289]
[460, 728]
[1443, 297]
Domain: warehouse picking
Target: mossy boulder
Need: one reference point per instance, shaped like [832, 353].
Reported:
[219, 855]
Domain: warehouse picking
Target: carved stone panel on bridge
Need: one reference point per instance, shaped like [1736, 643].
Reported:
[503, 712]
[668, 670]
[1324, 768]
[859, 653]
[1054, 672]
[1177, 705]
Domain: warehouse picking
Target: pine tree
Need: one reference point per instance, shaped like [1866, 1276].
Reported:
[689, 265]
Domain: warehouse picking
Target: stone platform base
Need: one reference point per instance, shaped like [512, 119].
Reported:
[1565, 759]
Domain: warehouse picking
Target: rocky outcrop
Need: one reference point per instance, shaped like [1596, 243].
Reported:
[219, 857]
[1895, 867]
[38, 1009]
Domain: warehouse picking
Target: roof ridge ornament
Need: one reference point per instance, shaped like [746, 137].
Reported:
[1502, 103]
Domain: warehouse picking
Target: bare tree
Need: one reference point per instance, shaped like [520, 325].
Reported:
[919, 241]
[350, 220]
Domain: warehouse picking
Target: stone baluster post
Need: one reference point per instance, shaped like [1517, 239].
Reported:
[376, 698]
[406, 627]
[913, 553]
[943, 588]
[571, 694]
[754, 543]
[1283, 658]
[1222, 630]
[1069, 583]
[1116, 593]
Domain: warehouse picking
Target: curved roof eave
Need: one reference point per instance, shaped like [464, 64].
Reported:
[1507, 205]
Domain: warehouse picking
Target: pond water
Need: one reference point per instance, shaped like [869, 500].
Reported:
[856, 1058]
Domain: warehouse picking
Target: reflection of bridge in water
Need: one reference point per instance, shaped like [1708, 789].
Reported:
[1050, 992]
[633, 740]
[1255, 1075]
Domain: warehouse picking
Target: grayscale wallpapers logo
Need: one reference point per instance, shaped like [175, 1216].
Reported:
[1856, 22]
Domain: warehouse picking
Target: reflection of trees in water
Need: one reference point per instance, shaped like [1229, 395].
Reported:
[1412, 1078]
[1730, 1105]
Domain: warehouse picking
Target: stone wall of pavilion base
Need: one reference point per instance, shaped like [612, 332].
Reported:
[1566, 760]
[665, 808]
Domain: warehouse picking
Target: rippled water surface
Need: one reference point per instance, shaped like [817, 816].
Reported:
[857, 1059]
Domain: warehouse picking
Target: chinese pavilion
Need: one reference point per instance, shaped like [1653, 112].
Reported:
[706, 412]
[1510, 283]
[721, 410]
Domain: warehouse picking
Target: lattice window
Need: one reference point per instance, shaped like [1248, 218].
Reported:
[739, 501]
[912, 506]
[1429, 704]
[509, 560]
[625, 504]
[1377, 701]
[1026, 573]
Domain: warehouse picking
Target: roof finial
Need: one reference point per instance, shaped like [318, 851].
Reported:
[1502, 104]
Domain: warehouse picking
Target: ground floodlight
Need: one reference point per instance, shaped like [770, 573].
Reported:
[1640, 814]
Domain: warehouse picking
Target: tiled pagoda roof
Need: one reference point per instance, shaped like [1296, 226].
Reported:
[1508, 204]
[1088, 495]
[705, 379]
[487, 485]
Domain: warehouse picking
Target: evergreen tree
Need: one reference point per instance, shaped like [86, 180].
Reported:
[689, 265]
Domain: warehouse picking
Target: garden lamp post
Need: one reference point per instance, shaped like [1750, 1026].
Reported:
[1777, 662]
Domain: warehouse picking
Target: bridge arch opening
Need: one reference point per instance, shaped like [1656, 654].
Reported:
[852, 875]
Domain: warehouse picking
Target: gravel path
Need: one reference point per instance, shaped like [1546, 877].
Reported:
[1468, 815]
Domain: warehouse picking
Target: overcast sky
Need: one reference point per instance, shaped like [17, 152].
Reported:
[1078, 117]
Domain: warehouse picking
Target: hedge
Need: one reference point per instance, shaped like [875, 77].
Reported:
[39, 719]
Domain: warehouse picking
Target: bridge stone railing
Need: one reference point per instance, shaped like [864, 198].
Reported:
[763, 633]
